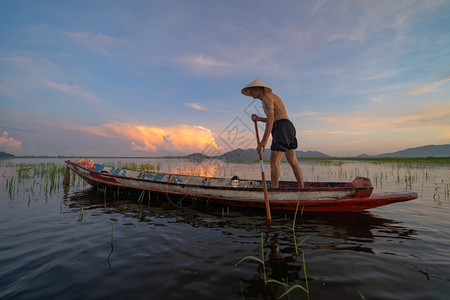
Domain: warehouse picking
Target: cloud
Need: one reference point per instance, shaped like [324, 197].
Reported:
[6, 89]
[174, 139]
[17, 60]
[101, 43]
[318, 4]
[321, 132]
[9, 142]
[72, 90]
[195, 106]
[437, 116]
[201, 60]
[427, 88]
[15, 129]
[305, 114]
[37, 72]
[384, 75]
[202, 63]
[349, 142]
[37, 67]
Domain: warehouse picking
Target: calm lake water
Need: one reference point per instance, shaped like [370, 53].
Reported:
[83, 244]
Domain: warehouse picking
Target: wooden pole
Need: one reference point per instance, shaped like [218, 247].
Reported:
[266, 194]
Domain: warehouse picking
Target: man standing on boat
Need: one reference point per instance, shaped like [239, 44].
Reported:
[282, 129]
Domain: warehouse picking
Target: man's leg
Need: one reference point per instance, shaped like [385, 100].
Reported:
[275, 158]
[292, 160]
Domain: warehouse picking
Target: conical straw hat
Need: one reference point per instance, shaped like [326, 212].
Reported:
[255, 83]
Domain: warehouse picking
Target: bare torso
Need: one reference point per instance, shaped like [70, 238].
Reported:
[273, 108]
[273, 105]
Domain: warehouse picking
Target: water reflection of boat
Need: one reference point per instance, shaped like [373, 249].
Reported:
[344, 235]
[354, 231]
[316, 196]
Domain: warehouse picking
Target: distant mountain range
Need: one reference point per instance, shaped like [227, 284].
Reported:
[424, 151]
[5, 155]
[241, 155]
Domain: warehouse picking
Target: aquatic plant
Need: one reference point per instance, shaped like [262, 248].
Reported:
[292, 228]
[228, 211]
[49, 173]
[140, 200]
[11, 187]
[362, 296]
[261, 261]
[426, 272]
[242, 291]
[102, 190]
[112, 243]
[295, 286]
[306, 289]
[141, 197]
[135, 167]
[289, 289]
[80, 218]
[285, 284]
[436, 195]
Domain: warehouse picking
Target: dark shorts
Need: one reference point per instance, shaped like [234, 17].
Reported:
[283, 136]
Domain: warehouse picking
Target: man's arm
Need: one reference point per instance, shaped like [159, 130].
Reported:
[269, 109]
[258, 118]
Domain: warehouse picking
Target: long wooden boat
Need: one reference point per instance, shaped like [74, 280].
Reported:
[316, 196]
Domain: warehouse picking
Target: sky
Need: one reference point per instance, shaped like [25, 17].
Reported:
[155, 78]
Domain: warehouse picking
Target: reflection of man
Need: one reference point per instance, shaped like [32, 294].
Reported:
[282, 129]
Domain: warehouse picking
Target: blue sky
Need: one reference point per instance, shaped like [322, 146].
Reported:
[146, 78]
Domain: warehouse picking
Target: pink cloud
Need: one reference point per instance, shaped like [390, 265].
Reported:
[180, 138]
[427, 88]
[195, 106]
[9, 142]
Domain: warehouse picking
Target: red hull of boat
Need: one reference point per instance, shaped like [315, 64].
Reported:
[317, 196]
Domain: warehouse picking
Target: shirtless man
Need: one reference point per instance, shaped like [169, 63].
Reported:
[282, 129]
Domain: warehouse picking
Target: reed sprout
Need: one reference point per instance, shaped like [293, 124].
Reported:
[306, 288]
[80, 218]
[140, 200]
[261, 261]
[141, 197]
[227, 213]
[427, 272]
[112, 243]
[48, 173]
[135, 167]
[295, 286]
[11, 187]
[285, 284]
[436, 195]
[292, 228]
